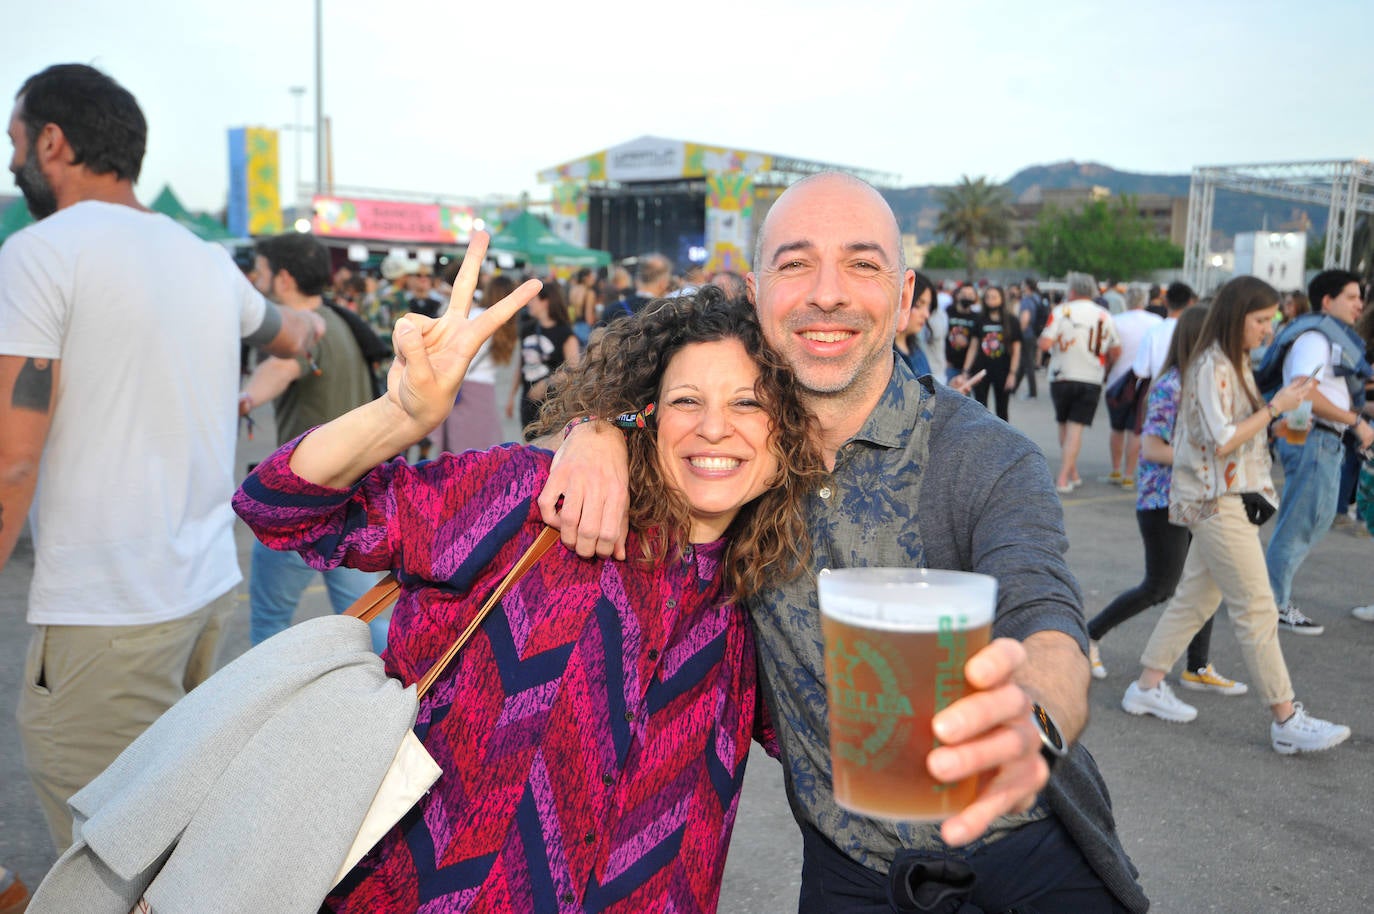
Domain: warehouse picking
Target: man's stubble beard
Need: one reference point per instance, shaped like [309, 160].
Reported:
[38, 193]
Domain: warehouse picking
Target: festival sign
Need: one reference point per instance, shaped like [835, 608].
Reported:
[386, 220]
[704, 160]
[729, 221]
[254, 194]
[570, 212]
[589, 168]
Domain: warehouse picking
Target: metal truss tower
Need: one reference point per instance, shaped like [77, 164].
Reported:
[1347, 188]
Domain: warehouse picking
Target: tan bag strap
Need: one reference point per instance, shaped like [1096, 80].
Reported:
[385, 591]
[373, 603]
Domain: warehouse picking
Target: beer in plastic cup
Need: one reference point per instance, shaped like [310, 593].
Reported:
[1298, 423]
[896, 641]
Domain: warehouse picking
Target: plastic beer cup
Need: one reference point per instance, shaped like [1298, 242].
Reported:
[896, 641]
[1298, 423]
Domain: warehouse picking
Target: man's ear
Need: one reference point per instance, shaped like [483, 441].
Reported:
[51, 146]
[908, 297]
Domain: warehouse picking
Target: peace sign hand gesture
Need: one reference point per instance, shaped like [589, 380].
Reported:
[433, 354]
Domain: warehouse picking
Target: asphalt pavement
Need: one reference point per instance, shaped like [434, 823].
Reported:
[1214, 819]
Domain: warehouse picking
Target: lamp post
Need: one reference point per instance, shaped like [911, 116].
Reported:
[319, 97]
[298, 92]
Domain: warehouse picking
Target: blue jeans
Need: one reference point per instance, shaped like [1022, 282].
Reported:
[277, 581]
[1311, 476]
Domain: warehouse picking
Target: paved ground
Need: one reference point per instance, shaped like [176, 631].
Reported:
[1214, 819]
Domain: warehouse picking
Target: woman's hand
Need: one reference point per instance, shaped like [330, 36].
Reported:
[1298, 390]
[433, 354]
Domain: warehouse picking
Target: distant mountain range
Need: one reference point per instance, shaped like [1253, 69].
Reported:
[917, 207]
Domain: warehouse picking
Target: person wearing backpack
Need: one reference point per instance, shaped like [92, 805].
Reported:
[1325, 344]
[293, 270]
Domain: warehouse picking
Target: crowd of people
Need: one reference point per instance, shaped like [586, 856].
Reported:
[720, 441]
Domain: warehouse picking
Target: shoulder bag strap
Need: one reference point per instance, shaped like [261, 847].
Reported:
[384, 593]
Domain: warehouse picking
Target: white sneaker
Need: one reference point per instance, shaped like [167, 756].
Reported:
[1095, 658]
[1159, 701]
[1364, 613]
[1305, 733]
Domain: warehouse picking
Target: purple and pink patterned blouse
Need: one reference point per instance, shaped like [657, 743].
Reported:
[593, 733]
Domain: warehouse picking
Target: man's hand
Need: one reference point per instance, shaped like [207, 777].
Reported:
[587, 496]
[989, 734]
[317, 327]
[1364, 431]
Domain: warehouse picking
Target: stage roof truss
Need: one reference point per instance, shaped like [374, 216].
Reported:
[1345, 187]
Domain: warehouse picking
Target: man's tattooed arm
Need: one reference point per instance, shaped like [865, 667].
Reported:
[33, 386]
[27, 388]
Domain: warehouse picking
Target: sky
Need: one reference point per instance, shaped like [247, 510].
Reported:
[465, 98]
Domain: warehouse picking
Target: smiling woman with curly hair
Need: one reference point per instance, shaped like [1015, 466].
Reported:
[620, 374]
[594, 731]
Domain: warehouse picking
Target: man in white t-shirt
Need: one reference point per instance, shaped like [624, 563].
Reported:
[1312, 470]
[1082, 342]
[1132, 326]
[119, 367]
[1149, 358]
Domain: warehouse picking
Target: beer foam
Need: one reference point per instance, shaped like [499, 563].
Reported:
[907, 600]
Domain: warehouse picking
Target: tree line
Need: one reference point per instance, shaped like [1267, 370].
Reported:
[1105, 238]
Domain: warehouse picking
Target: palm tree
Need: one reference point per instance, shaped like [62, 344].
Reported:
[975, 214]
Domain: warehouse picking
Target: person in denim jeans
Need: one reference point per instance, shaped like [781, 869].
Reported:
[1312, 470]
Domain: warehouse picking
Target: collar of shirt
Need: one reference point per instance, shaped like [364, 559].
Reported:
[889, 424]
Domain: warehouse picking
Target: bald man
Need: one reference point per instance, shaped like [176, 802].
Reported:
[922, 477]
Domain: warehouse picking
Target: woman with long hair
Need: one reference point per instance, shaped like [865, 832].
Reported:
[1221, 480]
[474, 423]
[594, 732]
[547, 343]
[1166, 544]
[994, 348]
[913, 340]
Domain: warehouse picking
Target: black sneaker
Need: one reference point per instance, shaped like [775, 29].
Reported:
[1292, 619]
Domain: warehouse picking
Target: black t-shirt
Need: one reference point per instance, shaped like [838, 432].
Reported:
[541, 351]
[994, 345]
[961, 331]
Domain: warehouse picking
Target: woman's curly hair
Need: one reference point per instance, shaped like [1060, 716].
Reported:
[621, 373]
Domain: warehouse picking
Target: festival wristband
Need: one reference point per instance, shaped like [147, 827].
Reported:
[567, 429]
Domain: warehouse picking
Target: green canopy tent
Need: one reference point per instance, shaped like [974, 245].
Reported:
[15, 217]
[204, 227]
[529, 239]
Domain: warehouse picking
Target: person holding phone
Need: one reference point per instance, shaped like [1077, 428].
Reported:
[1221, 459]
[1326, 344]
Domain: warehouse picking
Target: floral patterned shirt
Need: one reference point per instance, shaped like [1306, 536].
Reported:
[1161, 410]
[1214, 401]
